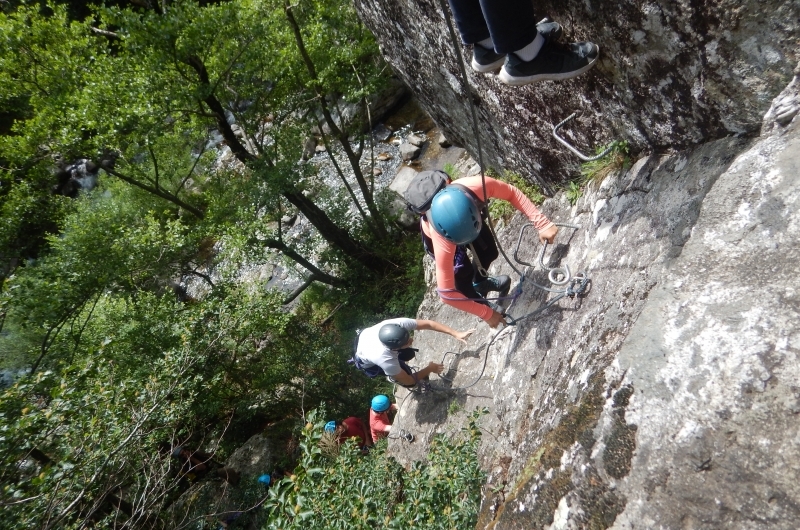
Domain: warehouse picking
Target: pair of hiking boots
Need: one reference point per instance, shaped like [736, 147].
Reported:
[499, 284]
[553, 62]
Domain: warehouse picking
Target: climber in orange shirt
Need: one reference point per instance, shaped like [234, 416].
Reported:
[452, 221]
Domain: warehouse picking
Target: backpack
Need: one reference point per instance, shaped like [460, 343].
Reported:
[419, 197]
[422, 188]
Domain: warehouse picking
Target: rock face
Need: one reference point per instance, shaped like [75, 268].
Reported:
[227, 502]
[667, 396]
[671, 74]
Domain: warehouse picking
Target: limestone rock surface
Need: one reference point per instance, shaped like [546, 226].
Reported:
[668, 395]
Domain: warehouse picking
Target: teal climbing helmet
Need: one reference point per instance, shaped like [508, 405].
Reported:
[381, 403]
[330, 426]
[456, 215]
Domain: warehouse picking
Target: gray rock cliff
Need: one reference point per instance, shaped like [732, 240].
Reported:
[671, 75]
[668, 395]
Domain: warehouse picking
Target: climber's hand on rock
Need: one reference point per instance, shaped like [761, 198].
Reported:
[495, 319]
[548, 235]
[464, 335]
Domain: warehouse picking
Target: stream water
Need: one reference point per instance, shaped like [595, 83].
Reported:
[383, 156]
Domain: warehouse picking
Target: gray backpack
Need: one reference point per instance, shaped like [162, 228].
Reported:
[420, 192]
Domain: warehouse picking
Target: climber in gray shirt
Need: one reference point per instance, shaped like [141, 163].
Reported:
[385, 347]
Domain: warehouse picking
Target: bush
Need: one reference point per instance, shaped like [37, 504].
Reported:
[503, 209]
[355, 492]
[616, 159]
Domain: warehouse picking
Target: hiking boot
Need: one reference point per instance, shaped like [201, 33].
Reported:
[500, 284]
[485, 60]
[552, 63]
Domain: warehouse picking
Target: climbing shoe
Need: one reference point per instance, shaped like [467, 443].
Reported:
[500, 284]
[552, 63]
[485, 60]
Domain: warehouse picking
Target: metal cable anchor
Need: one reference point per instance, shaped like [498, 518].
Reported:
[575, 151]
[558, 276]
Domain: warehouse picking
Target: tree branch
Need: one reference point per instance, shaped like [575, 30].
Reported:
[104, 33]
[323, 277]
[107, 167]
[216, 108]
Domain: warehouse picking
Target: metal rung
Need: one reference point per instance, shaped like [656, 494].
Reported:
[575, 151]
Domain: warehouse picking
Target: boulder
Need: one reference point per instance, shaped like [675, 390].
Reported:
[252, 459]
[409, 152]
[402, 180]
[415, 140]
[381, 133]
[670, 75]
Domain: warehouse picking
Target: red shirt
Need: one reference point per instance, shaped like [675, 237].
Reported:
[377, 423]
[354, 428]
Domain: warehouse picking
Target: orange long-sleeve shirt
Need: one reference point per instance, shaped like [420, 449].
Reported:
[444, 250]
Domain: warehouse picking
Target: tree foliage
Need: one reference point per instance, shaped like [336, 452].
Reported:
[117, 364]
[354, 492]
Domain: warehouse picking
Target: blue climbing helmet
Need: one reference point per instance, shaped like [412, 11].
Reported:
[330, 426]
[381, 403]
[456, 215]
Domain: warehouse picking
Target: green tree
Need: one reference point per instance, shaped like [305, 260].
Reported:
[117, 364]
[143, 92]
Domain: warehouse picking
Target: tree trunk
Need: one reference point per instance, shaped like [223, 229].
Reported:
[335, 130]
[336, 236]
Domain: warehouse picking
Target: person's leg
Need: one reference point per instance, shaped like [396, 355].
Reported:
[469, 20]
[511, 23]
[476, 18]
[486, 249]
[464, 285]
[531, 54]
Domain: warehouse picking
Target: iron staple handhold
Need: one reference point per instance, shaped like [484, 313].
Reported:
[569, 146]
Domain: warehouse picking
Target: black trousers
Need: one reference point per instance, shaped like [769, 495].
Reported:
[510, 23]
[486, 252]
